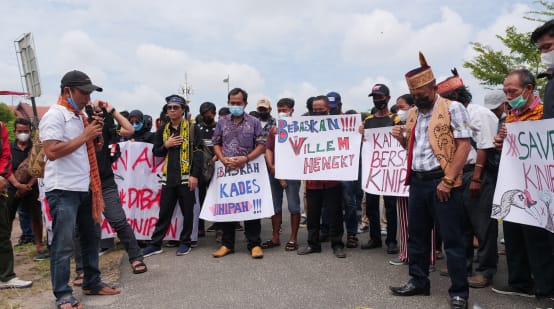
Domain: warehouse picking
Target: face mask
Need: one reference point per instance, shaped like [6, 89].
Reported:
[23, 137]
[138, 126]
[72, 102]
[283, 115]
[402, 114]
[380, 104]
[319, 113]
[518, 102]
[548, 59]
[334, 111]
[208, 120]
[423, 102]
[236, 110]
[264, 115]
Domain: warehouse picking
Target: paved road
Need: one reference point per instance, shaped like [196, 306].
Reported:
[283, 280]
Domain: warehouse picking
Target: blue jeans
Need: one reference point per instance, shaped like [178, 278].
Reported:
[70, 208]
[352, 195]
[293, 195]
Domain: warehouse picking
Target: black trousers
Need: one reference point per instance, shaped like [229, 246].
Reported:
[331, 199]
[6, 250]
[168, 201]
[529, 255]
[372, 210]
[252, 230]
[479, 223]
[424, 209]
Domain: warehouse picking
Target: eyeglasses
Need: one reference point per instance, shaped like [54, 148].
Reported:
[173, 107]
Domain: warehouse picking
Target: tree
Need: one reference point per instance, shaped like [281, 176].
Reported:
[491, 66]
[8, 118]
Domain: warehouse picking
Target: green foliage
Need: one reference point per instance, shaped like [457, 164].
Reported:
[491, 66]
[8, 118]
[548, 12]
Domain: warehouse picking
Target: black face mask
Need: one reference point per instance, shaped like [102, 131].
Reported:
[423, 102]
[381, 104]
[208, 120]
[264, 115]
[318, 113]
[334, 111]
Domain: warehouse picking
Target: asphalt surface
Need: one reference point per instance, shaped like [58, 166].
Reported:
[285, 280]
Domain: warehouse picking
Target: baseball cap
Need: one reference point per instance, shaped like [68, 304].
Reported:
[334, 99]
[379, 89]
[80, 81]
[494, 98]
[264, 102]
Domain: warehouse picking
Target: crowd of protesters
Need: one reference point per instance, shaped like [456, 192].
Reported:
[452, 178]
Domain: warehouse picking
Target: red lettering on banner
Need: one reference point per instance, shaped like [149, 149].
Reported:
[143, 198]
[122, 197]
[47, 209]
[172, 230]
[123, 159]
[106, 226]
[143, 226]
[143, 157]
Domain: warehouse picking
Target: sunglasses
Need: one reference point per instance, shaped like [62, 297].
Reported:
[173, 107]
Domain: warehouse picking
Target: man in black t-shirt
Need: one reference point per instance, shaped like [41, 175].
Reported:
[381, 118]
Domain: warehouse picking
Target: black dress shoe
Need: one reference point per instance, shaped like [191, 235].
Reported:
[307, 250]
[371, 244]
[457, 302]
[339, 252]
[409, 290]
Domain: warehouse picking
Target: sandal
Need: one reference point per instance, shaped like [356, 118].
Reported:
[78, 281]
[291, 246]
[102, 289]
[270, 244]
[138, 268]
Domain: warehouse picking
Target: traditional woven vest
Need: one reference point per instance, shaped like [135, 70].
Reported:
[441, 137]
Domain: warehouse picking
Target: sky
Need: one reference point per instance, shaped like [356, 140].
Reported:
[141, 51]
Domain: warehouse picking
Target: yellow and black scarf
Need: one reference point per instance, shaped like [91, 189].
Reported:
[185, 161]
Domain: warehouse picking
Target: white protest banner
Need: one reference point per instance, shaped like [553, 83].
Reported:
[383, 163]
[238, 195]
[525, 186]
[318, 147]
[137, 173]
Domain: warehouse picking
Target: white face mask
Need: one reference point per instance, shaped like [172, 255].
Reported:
[402, 114]
[23, 137]
[282, 115]
[548, 59]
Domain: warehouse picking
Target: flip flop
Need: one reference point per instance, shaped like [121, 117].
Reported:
[291, 246]
[78, 281]
[102, 289]
[138, 268]
[268, 244]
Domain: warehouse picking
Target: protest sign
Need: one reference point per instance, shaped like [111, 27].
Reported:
[383, 163]
[238, 195]
[525, 186]
[137, 174]
[318, 147]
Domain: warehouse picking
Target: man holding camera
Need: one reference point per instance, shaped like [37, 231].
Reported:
[73, 189]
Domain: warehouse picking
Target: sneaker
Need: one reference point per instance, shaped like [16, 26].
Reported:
[398, 261]
[172, 243]
[211, 228]
[183, 250]
[151, 250]
[41, 256]
[508, 290]
[103, 251]
[194, 244]
[15, 283]
[303, 222]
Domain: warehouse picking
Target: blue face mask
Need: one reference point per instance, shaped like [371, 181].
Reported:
[236, 110]
[72, 102]
[138, 126]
